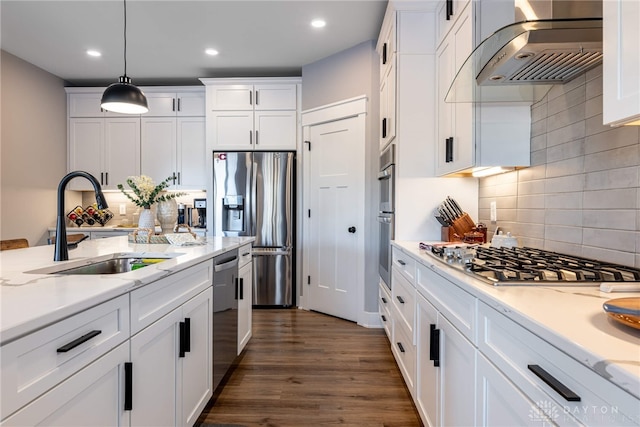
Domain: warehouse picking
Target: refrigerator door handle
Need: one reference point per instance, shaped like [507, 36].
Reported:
[270, 252]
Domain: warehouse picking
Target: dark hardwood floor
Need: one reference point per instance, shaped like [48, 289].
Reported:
[304, 368]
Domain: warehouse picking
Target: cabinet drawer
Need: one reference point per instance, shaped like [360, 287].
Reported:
[403, 295]
[153, 301]
[405, 264]
[244, 255]
[405, 354]
[458, 306]
[513, 349]
[384, 304]
[37, 362]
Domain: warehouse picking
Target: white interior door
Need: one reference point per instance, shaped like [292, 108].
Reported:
[335, 223]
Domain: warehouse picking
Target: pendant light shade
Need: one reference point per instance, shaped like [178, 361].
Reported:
[124, 97]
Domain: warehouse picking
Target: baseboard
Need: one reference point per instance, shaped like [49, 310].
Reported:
[370, 319]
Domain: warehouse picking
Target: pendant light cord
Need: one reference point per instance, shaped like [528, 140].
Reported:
[125, 38]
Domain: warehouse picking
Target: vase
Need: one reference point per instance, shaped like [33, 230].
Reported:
[147, 219]
[167, 215]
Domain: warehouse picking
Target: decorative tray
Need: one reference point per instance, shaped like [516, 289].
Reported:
[148, 235]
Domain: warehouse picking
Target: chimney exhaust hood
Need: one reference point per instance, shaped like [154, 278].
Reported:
[554, 42]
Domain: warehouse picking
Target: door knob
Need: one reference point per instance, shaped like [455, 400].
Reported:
[352, 229]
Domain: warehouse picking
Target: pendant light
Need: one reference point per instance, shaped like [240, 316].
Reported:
[123, 97]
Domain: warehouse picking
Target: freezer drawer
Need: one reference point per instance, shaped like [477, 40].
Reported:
[272, 272]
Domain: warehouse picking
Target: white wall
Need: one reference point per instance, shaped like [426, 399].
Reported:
[33, 149]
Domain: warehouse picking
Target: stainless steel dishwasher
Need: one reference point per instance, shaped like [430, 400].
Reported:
[225, 314]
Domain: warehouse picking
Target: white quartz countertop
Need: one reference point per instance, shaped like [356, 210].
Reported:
[31, 301]
[110, 228]
[569, 317]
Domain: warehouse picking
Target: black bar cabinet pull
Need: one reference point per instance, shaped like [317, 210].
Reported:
[384, 300]
[401, 262]
[552, 382]
[384, 128]
[181, 339]
[128, 386]
[178, 104]
[256, 137]
[173, 105]
[400, 347]
[400, 299]
[241, 288]
[101, 178]
[434, 345]
[449, 150]
[384, 53]
[73, 344]
[449, 9]
[106, 178]
[250, 97]
[237, 286]
[187, 335]
[384, 318]
[257, 99]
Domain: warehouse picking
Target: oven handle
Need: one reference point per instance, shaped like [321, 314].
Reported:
[385, 174]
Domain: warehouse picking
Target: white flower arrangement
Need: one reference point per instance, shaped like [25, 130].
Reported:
[146, 191]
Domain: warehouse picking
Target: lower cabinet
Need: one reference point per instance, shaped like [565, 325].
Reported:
[172, 365]
[245, 303]
[94, 396]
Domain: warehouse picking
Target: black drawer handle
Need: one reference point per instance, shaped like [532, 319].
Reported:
[552, 382]
[400, 299]
[384, 300]
[401, 262]
[182, 339]
[246, 254]
[384, 53]
[448, 152]
[434, 345]
[187, 335]
[384, 318]
[241, 288]
[73, 344]
[399, 344]
[128, 386]
[384, 128]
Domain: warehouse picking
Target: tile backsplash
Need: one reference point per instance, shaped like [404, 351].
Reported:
[581, 195]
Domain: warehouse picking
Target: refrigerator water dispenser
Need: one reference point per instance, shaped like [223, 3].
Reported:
[233, 213]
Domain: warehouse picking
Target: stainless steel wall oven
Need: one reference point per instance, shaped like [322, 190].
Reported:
[386, 211]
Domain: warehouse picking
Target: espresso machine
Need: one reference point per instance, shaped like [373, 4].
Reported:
[184, 214]
[200, 206]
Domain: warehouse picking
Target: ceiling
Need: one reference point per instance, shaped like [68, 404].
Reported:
[166, 39]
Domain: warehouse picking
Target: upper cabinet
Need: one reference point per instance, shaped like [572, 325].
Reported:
[172, 104]
[386, 49]
[252, 114]
[621, 69]
[472, 136]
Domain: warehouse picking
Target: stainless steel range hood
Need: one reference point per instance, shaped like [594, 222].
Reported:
[554, 42]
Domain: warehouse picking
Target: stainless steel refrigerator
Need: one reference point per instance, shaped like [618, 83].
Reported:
[254, 195]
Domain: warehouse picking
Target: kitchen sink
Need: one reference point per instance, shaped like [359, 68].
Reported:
[108, 264]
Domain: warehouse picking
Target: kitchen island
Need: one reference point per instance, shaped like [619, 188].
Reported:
[521, 355]
[73, 345]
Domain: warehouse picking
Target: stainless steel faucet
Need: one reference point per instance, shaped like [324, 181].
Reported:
[61, 250]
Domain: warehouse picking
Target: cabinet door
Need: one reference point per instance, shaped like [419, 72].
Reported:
[444, 73]
[494, 410]
[463, 119]
[85, 105]
[154, 354]
[428, 374]
[158, 148]
[275, 130]
[161, 104]
[231, 130]
[457, 376]
[94, 396]
[197, 364]
[245, 283]
[621, 85]
[275, 97]
[388, 105]
[86, 150]
[190, 104]
[230, 97]
[122, 150]
[191, 152]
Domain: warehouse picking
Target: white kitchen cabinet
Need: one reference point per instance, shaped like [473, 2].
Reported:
[621, 65]
[384, 304]
[428, 369]
[181, 103]
[244, 114]
[107, 148]
[472, 136]
[174, 147]
[245, 292]
[38, 362]
[172, 365]
[386, 49]
[94, 396]
[83, 103]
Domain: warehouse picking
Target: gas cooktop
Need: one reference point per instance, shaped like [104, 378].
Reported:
[529, 266]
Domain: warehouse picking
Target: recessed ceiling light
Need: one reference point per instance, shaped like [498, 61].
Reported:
[318, 23]
[93, 52]
[211, 52]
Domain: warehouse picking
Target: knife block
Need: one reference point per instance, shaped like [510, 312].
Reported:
[447, 234]
[455, 232]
